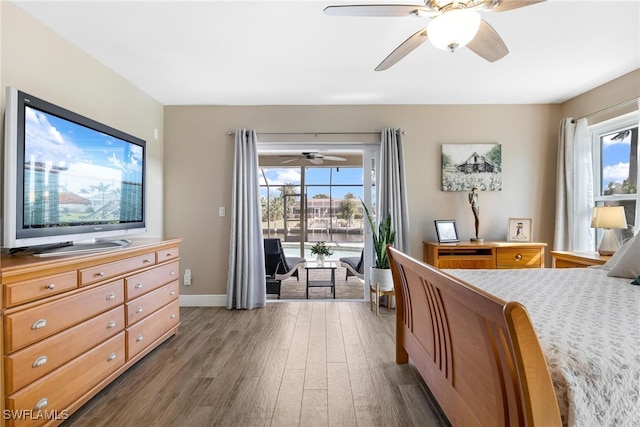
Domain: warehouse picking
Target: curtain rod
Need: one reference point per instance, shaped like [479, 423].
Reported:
[604, 110]
[318, 133]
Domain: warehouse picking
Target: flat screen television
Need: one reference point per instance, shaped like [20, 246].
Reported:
[69, 181]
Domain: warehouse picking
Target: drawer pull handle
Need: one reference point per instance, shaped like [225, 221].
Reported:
[139, 338]
[173, 315]
[139, 310]
[111, 357]
[138, 285]
[111, 324]
[172, 293]
[518, 257]
[172, 273]
[39, 324]
[146, 261]
[169, 254]
[100, 274]
[50, 286]
[40, 361]
[42, 403]
[111, 296]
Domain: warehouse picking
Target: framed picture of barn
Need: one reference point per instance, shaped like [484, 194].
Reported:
[468, 166]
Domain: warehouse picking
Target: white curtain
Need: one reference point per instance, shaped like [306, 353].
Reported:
[392, 189]
[574, 188]
[246, 286]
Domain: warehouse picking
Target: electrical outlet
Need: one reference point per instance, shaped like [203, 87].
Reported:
[187, 277]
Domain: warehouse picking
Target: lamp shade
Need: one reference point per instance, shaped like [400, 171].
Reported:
[453, 29]
[608, 217]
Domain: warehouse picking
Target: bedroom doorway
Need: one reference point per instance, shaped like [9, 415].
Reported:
[305, 202]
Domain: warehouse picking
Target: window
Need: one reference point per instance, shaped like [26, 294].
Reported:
[615, 162]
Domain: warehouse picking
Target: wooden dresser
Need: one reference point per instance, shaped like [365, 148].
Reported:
[490, 255]
[72, 324]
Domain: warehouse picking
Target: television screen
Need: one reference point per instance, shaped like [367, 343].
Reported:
[75, 175]
[68, 177]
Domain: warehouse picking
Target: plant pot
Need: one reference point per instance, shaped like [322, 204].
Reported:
[383, 277]
[320, 260]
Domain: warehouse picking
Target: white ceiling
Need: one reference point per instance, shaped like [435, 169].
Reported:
[291, 53]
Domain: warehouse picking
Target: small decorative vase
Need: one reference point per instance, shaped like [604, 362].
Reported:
[320, 260]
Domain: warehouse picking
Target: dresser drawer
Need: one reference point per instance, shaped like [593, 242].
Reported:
[145, 332]
[143, 306]
[27, 365]
[167, 255]
[28, 326]
[104, 271]
[151, 279]
[31, 290]
[59, 389]
[519, 258]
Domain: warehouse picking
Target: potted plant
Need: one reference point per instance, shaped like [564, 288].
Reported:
[383, 235]
[320, 249]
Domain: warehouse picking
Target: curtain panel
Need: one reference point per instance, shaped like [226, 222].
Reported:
[574, 188]
[392, 190]
[246, 285]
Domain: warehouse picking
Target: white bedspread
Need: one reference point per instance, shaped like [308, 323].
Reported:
[588, 326]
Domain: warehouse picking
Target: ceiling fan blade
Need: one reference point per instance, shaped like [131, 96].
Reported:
[316, 161]
[487, 43]
[379, 10]
[290, 160]
[403, 50]
[513, 4]
[335, 159]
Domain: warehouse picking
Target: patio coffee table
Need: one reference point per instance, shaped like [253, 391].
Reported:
[327, 265]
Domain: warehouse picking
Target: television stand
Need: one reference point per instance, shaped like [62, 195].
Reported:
[79, 248]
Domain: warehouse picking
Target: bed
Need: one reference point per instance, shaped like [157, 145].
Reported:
[531, 347]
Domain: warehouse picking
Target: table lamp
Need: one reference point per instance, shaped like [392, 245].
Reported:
[608, 217]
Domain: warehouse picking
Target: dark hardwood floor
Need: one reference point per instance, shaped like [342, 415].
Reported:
[290, 364]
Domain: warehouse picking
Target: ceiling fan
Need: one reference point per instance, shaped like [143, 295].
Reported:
[454, 24]
[314, 157]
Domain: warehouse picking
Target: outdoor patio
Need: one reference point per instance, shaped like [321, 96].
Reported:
[292, 289]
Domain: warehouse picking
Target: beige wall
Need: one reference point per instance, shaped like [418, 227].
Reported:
[39, 62]
[617, 91]
[199, 158]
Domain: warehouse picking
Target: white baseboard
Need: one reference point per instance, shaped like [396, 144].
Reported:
[203, 300]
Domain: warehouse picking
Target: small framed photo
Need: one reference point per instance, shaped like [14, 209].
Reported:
[446, 230]
[519, 230]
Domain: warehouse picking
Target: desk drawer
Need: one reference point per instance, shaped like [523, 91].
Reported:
[105, 271]
[151, 279]
[31, 290]
[145, 305]
[167, 255]
[519, 258]
[145, 332]
[28, 326]
[59, 389]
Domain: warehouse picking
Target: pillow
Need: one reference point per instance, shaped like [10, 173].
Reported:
[619, 253]
[629, 263]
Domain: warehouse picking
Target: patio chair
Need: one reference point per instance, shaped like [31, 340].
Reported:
[277, 264]
[354, 266]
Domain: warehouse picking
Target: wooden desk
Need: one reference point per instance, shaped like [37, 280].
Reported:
[488, 254]
[566, 259]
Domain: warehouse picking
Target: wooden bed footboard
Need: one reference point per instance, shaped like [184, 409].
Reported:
[479, 355]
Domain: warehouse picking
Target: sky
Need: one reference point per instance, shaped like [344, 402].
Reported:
[351, 178]
[90, 157]
[615, 159]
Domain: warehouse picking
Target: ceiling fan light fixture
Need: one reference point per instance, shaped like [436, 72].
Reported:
[453, 29]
